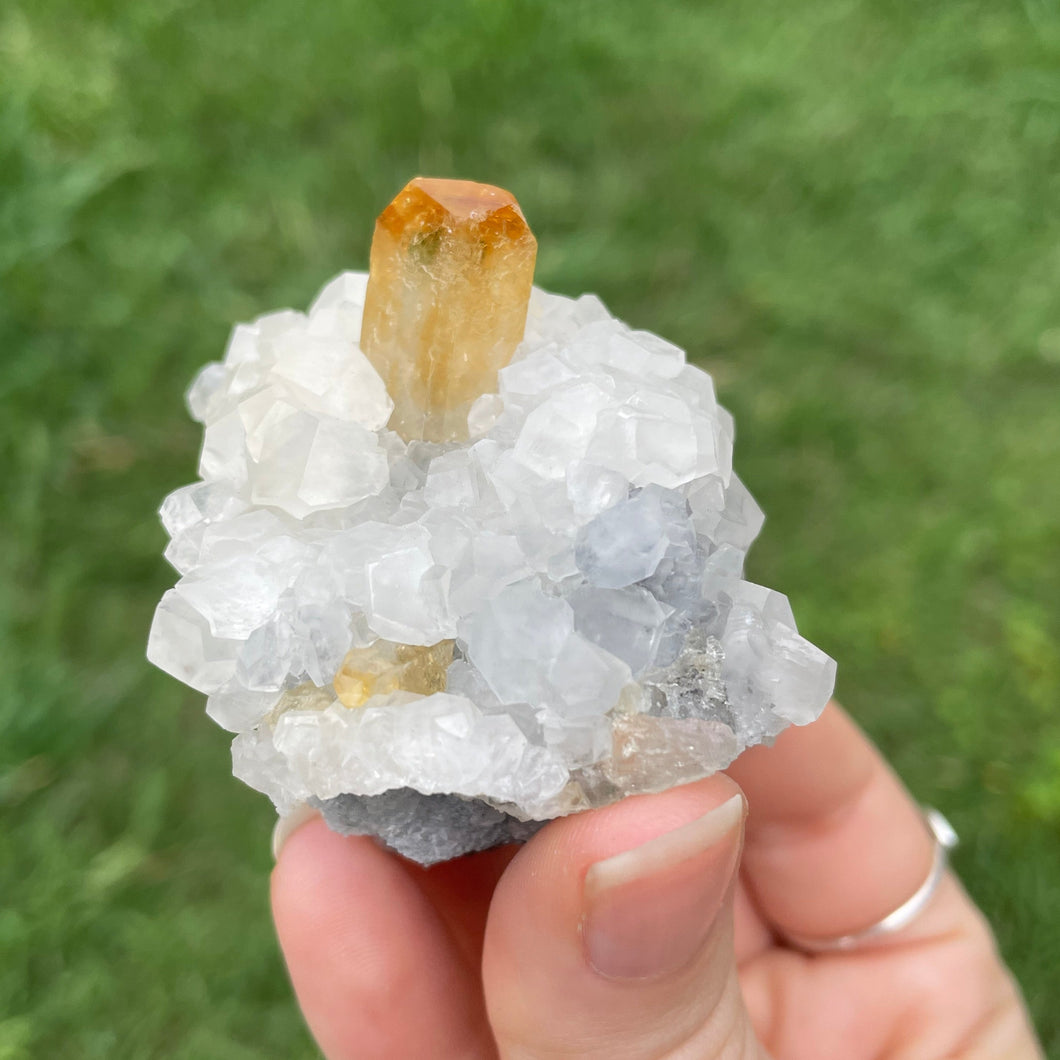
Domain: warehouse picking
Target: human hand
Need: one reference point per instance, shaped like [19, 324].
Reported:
[653, 928]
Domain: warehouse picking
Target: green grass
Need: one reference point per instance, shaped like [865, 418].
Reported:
[849, 212]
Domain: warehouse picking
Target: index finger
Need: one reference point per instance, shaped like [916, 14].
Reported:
[834, 842]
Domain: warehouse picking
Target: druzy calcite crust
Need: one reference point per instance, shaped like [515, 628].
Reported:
[459, 562]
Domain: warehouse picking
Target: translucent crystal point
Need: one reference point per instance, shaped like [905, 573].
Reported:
[451, 269]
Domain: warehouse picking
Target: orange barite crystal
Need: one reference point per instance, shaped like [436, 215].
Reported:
[386, 667]
[449, 281]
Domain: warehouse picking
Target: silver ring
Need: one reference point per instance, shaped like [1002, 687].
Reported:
[945, 840]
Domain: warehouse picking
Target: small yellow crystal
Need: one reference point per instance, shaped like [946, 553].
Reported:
[449, 281]
[385, 667]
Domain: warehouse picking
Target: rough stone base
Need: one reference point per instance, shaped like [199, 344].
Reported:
[425, 828]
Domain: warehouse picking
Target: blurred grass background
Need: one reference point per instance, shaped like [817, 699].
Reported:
[847, 211]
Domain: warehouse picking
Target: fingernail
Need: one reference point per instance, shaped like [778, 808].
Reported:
[287, 826]
[648, 910]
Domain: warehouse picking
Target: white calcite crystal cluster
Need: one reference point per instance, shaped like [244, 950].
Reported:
[443, 644]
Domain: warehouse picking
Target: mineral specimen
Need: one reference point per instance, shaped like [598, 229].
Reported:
[453, 574]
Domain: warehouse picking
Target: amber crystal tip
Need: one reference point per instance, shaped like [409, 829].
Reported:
[462, 200]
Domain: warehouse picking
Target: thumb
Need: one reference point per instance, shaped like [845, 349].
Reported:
[610, 934]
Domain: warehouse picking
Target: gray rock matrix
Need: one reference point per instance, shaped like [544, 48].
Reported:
[425, 828]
